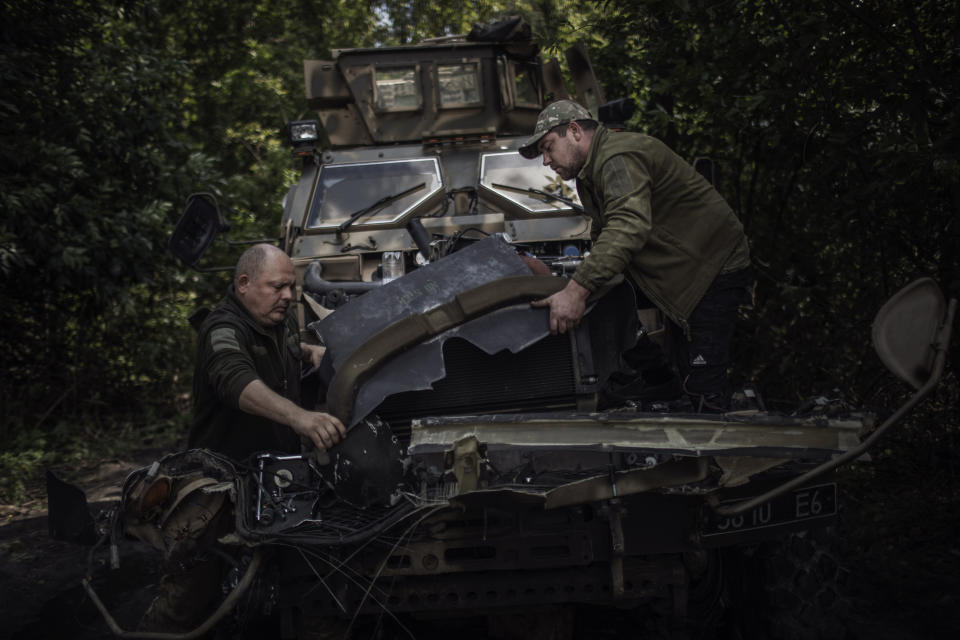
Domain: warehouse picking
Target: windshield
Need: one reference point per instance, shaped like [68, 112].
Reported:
[345, 189]
[512, 169]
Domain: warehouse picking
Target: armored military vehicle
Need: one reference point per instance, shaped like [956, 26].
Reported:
[414, 155]
[478, 479]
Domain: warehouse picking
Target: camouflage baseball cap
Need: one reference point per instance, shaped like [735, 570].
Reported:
[557, 113]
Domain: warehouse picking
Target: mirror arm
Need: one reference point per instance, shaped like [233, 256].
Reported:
[233, 243]
[941, 343]
[241, 243]
[211, 269]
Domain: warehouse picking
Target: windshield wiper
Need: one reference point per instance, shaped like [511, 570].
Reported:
[570, 203]
[382, 202]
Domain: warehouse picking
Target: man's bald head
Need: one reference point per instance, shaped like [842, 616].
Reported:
[263, 280]
[252, 260]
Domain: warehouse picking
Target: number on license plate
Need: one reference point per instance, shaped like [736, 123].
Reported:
[807, 503]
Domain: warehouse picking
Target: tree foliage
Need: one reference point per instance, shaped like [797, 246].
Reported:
[833, 129]
[832, 126]
[88, 179]
[112, 112]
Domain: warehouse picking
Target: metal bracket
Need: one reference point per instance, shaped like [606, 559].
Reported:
[615, 511]
[464, 460]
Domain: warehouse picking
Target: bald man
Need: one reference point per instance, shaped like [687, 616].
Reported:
[246, 387]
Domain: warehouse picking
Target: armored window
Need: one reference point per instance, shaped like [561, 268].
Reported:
[519, 84]
[506, 90]
[377, 194]
[526, 85]
[458, 85]
[504, 177]
[397, 89]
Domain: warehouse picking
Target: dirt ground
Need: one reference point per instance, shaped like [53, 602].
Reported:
[40, 578]
[901, 551]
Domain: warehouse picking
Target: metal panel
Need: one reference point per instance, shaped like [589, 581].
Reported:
[325, 85]
[761, 435]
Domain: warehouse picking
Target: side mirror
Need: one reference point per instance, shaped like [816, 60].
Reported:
[589, 91]
[905, 330]
[195, 231]
[614, 114]
[706, 167]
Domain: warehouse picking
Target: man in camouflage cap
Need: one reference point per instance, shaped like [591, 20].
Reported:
[659, 222]
[558, 113]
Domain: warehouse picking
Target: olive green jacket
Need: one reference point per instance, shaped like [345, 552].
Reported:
[232, 351]
[656, 219]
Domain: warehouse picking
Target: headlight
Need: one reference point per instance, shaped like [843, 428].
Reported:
[303, 136]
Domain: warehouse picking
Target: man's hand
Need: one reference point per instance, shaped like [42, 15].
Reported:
[323, 429]
[312, 353]
[566, 306]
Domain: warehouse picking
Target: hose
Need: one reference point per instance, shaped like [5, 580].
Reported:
[224, 608]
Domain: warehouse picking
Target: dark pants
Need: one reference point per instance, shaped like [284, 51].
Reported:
[701, 361]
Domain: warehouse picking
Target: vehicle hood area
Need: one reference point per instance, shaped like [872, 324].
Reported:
[557, 460]
[510, 463]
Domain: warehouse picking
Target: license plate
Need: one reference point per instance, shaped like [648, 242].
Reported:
[799, 505]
